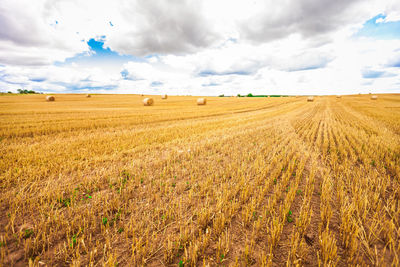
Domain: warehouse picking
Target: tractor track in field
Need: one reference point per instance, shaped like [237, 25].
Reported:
[178, 187]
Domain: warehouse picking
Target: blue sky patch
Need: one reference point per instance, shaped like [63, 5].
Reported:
[378, 29]
[99, 54]
[4, 76]
[38, 80]
[373, 74]
[394, 62]
[125, 74]
[97, 46]
[82, 87]
[16, 83]
[156, 83]
[310, 67]
[210, 84]
[206, 73]
[128, 76]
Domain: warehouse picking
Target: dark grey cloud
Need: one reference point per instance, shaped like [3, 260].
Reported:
[309, 18]
[165, 27]
[22, 59]
[18, 27]
[28, 37]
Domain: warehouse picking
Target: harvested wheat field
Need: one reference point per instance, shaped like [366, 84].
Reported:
[240, 181]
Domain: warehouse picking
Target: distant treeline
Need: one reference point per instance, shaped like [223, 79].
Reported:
[251, 95]
[24, 91]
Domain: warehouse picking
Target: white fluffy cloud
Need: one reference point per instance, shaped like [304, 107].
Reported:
[198, 47]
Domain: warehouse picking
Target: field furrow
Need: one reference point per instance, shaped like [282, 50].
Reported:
[239, 181]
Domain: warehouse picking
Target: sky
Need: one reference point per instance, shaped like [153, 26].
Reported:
[208, 47]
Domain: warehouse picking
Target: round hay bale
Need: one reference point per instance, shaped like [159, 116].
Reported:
[164, 97]
[310, 99]
[50, 98]
[88, 95]
[148, 101]
[201, 101]
[338, 96]
[374, 97]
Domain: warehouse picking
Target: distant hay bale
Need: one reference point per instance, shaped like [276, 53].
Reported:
[88, 95]
[148, 101]
[310, 99]
[297, 96]
[201, 101]
[50, 98]
[374, 97]
[164, 97]
[338, 96]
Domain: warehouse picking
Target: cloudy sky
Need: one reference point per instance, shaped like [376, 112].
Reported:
[207, 47]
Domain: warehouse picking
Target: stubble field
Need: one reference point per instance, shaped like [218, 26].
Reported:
[240, 181]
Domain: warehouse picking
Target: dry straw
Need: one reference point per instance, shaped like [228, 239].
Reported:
[50, 98]
[148, 101]
[374, 97]
[201, 101]
[310, 99]
[338, 96]
[164, 97]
